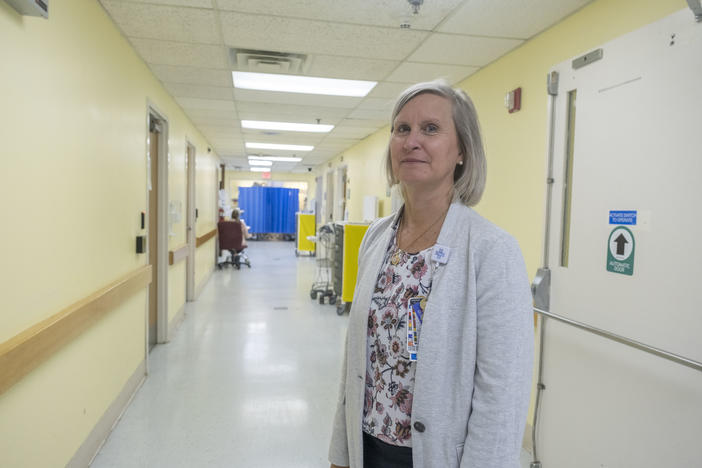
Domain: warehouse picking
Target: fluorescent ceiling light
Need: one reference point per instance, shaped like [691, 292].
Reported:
[274, 158]
[302, 84]
[260, 169]
[275, 146]
[260, 162]
[286, 126]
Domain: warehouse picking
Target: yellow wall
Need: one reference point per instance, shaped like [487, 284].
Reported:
[73, 181]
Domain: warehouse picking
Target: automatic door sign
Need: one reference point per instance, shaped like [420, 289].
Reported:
[620, 251]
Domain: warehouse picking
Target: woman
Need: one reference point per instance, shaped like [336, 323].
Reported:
[438, 361]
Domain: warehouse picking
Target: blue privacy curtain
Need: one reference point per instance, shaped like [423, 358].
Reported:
[269, 209]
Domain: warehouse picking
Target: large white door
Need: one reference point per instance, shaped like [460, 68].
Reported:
[627, 138]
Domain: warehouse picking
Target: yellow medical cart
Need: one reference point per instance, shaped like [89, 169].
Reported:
[348, 237]
[305, 227]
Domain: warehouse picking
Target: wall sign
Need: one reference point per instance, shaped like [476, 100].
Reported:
[620, 251]
[622, 217]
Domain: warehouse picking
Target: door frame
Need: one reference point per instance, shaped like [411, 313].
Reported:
[161, 224]
[190, 226]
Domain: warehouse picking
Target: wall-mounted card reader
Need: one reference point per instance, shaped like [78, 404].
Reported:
[141, 244]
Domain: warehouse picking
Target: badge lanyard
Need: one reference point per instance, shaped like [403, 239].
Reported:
[417, 305]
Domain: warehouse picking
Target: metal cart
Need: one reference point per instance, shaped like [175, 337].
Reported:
[323, 284]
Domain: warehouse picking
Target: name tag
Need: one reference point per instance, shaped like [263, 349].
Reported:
[440, 254]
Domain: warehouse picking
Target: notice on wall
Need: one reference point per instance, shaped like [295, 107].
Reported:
[620, 251]
[626, 217]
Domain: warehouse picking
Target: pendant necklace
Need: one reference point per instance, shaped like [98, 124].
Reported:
[397, 256]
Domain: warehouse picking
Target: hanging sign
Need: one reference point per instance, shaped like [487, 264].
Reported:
[620, 251]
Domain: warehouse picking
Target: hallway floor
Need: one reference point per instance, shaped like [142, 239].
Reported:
[249, 380]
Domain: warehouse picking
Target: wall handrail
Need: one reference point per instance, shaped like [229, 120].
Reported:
[24, 352]
[691, 363]
[177, 254]
[205, 237]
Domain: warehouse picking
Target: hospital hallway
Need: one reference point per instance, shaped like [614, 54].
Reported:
[249, 379]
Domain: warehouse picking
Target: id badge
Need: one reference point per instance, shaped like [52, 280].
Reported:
[415, 316]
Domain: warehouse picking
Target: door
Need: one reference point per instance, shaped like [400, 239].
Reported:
[190, 225]
[625, 255]
[329, 197]
[318, 201]
[153, 215]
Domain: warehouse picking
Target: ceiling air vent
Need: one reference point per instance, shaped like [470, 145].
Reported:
[266, 61]
[31, 7]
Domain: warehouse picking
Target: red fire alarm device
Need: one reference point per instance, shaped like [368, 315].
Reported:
[513, 100]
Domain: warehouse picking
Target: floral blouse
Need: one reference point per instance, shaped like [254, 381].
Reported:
[387, 409]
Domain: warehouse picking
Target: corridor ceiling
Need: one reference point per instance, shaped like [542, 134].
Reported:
[193, 46]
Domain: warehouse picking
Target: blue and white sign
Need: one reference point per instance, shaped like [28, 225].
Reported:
[622, 217]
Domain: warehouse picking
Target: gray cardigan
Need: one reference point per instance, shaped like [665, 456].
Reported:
[474, 366]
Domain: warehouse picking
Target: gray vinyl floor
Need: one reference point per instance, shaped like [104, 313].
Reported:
[249, 380]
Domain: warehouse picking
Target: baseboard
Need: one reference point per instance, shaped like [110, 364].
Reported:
[177, 320]
[91, 446]
[527, 442]
[203, 283]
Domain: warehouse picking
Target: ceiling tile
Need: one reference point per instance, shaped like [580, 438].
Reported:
[522, 19]
[180, 53]
[192, 75]
[296, 99]
[211, 104]
[462, 50]
[185, 3]
[205, 92]
[223, 114]
[383, 104]
[390, 13]
[412, 72]
[350, 68]
[352, 132]
[387, 89]
[290, 113]
[370, 114]
[293, 35]
[164, 22]
[370, 123]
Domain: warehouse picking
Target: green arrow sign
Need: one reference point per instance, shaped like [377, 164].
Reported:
[620, 251]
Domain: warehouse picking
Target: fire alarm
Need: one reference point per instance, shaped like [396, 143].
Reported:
[513, 100]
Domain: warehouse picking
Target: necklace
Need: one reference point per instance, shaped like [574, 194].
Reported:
[398, 253]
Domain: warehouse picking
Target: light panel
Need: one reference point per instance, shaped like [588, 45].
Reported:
[302, 84]
[260, 169]
[286, 126]
[260, 162]
[275, 146]
[275, 158]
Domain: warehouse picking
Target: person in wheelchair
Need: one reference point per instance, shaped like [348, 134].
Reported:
[232, 237]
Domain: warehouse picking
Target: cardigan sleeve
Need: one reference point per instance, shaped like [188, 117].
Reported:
[338, 447]
[504, 355]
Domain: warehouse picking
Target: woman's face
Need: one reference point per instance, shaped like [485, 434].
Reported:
[424, 145]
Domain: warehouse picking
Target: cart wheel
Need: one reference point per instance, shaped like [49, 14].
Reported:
[332, 299]
[297, 253]
[340, 308]
[313, 294]
[321, 298]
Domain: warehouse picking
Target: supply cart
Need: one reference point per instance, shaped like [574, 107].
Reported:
[323, 286]
[347, 242]
[305, 230]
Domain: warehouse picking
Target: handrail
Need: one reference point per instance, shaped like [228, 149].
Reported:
[22, 353]
[205, 237]
[177, 254]
[626, 341]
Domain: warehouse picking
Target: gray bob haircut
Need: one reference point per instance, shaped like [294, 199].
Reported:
[469, 178]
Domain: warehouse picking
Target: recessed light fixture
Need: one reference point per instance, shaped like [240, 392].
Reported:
[274, 158]
[302, 84]
[275, 146]
[260, 162]
[260, 169]
[286, 126]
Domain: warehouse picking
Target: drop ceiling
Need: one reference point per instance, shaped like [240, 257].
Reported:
[193, 46]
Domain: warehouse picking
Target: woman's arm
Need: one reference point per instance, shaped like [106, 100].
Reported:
[504, 355]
